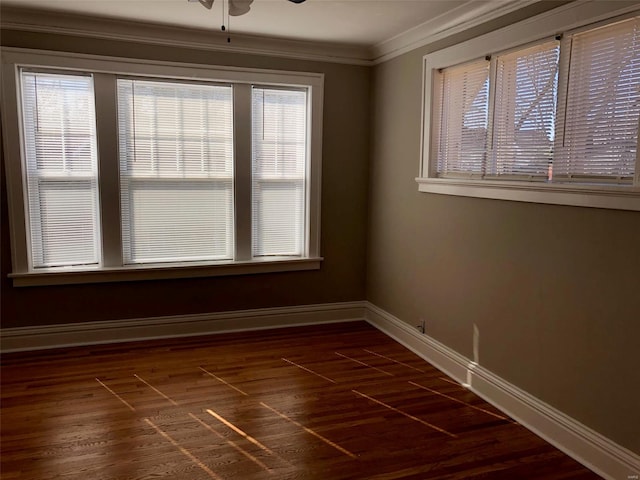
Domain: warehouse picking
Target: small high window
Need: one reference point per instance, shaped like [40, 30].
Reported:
[559, 115]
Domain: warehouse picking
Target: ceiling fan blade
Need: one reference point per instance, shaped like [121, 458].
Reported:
[297, 1]
[206, 3]
[239, 7]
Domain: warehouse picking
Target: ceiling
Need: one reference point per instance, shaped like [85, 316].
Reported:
[347, 22]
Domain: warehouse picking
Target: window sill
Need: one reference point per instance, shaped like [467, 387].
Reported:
[67, 276]
[596, 196]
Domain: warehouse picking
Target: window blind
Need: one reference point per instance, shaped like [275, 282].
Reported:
[61, 168]
[176, 171]
[524, 112]
[279, 166]
[602, 106]
[463, 116]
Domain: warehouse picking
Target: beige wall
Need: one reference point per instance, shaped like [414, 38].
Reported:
[344, 196]
[554, 291]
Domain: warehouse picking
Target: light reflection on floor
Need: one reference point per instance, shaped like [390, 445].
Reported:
[257, 443]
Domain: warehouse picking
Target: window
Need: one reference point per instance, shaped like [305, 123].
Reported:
[60, 169]
[600, 134]
[552, 121]
[176, 171]
[278, 187]
[463, 119]
[524, 113]
[123, 173]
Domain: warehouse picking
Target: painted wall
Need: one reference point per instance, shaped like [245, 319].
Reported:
[343, 232]
[553, 291]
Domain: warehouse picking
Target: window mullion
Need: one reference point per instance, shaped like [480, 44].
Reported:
[108, 172]
[15, 178]
[636, 180]
[242, 170]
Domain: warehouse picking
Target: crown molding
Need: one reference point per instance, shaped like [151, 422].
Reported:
[41, 21]
[466, 16]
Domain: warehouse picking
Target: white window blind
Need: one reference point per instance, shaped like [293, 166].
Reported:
[463, 116]
[59, 130]
[524, 112]
[176, 171]
[602, 105]
[279, 165]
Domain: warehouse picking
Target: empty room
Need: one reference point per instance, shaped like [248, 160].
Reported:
[320, 239]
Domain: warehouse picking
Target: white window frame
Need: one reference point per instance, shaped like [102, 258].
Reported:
[105, 71]
[547, 25]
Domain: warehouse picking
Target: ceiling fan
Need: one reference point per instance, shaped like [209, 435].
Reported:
[236, 7]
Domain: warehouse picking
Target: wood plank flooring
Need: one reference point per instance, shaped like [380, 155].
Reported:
[339, 401]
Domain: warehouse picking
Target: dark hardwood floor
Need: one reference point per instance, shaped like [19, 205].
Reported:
[325, 402]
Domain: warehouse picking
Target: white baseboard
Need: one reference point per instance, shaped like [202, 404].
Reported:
[91, 333]
[593, 450]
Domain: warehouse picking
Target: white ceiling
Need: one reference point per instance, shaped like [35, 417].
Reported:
[347, 22]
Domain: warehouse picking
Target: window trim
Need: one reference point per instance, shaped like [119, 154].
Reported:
[112, 269]
[572, 18]
[68, 276]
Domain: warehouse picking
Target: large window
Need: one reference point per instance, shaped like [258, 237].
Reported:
[119, 176]
[554, 120]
